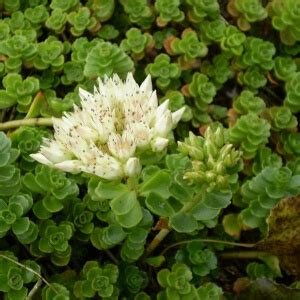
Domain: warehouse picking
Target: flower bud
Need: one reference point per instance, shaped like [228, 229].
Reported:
[159, 144]
[132, 167]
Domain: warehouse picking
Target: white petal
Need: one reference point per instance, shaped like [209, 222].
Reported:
[73, 166]
[54, 151]
[177, 115]
[41, 159]
[132, 167]
[159, 144]
[121, 147]
[163, 125]
[146, 85]
[84, 95]
[162, 109]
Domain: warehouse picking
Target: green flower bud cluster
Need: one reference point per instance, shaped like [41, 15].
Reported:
[12, 217]
[284, 67]
[201, 260]
[280, 118]
[177, 285]
[168, 11]
[292, 88]
[81, 20]
[285, 15]
[14, 278]
[232, 41]
[132, 278]
[248, 11]
[97, 280]
[247, 102]
[54, 240]
[250, 132]
[133, 247]
[263, 192]
[136, 42]
[257, 53]
[138, 12]
[188, 46]
[291, 143]
[214, 162]
[104, 59]
[164, 71]
[9, 174]
[200, 9]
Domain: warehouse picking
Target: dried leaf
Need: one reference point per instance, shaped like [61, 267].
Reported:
[283, 238]
[262, 289]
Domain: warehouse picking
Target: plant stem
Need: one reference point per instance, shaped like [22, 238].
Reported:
[30, 270]
[34, 109]
[208, 241]
[244, 254]
[31, 122]
[157, 240]
[112, 257]
[164, 232]
[34, 289]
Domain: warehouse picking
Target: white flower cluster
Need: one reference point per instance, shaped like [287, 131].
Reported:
[102, 136]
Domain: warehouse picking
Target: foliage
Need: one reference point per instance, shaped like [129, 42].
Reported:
[227, 72]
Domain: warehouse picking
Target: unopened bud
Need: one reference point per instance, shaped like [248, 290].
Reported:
[133, 167]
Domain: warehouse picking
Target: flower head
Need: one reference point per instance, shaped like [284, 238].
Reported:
[103, 136]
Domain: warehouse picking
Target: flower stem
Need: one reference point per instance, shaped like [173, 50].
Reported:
[34, 289]
[164, 232]
[157, 240]
[30, 270]
[244, 254]
[34, 109]
[31, 122]
[208, 241]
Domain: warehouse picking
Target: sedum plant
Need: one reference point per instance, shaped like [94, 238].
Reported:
[97, 280]
[284, 19]
[189, 46]
[119, 200]
[250, 132]
[168, 11]
[164, 71]
[247, 102]
[247, 12]
[263, 192]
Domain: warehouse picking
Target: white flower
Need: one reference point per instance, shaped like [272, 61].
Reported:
[103, 136]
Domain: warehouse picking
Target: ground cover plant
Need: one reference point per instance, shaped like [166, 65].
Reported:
[149, 149]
